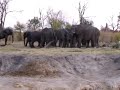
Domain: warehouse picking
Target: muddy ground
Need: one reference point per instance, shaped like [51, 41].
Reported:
[23, 68]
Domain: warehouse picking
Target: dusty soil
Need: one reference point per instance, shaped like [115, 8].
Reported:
[23, 68]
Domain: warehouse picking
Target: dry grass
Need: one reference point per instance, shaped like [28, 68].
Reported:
[18, 48]
[109, 37]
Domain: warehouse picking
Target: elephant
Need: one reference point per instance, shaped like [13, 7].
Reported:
[71, 37]
[32, 37]
[47, 37]
[26, 36]
[62, 36]
[5, 33]
[86, 33]
[92, 35]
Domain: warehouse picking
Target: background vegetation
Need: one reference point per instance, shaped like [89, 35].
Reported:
[56, 20]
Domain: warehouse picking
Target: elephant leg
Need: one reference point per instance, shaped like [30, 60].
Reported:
[60, 43]
[54, 43]
[6, 40]
[42, 43]
[71, 43]
[75, 41]
[32, 44]
[39, 44]
[26, 43]
[67, 43]
[92, 43]
[84, 42]
[64, 43]
[47, 42]
[87, 43]
[28, 40]
[29, 44]
[79, 42]
[96, 43]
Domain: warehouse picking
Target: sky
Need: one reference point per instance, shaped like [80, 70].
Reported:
[99, 11]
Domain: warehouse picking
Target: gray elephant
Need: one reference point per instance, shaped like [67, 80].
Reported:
[31, 37]
[5, 33]
[62, 36]
[47, 37]
[85, 34]
[71, 37]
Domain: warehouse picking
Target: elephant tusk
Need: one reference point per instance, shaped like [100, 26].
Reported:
[46, 46]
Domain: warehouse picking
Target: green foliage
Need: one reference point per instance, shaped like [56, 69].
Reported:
[56, 23]
[55, 19]
[68, 25]
[33, 24]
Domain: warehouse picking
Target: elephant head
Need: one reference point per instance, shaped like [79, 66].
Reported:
[26, 35]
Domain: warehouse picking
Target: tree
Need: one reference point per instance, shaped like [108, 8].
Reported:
[82, 19]
[55, 19]
[106, 28]
[81, 10]
[115, 25]
[33, 24]
[20, 27]
[42, 19]
[3, 12]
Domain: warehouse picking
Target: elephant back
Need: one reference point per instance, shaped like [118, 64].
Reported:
[48, 34]
[8, 31]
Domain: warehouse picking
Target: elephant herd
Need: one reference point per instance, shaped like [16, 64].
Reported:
[82, 35]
